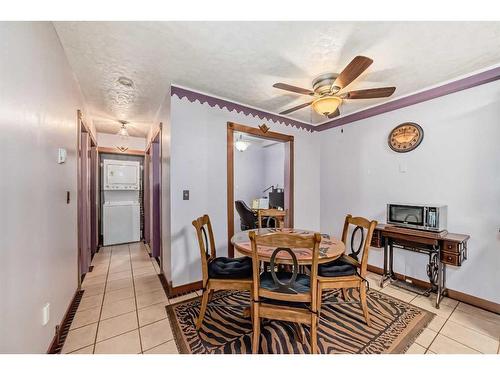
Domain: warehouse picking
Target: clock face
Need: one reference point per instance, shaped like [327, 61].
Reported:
[405, 137]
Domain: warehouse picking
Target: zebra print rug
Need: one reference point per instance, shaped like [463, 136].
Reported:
[395, 326]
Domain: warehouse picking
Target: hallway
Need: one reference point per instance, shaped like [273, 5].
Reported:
[123, 307]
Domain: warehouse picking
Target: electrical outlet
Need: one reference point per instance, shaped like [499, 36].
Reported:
[46, 314]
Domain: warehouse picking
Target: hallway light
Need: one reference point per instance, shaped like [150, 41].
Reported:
[123, 134]
[241, 145]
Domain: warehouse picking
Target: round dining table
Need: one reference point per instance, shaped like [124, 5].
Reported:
[330, 247]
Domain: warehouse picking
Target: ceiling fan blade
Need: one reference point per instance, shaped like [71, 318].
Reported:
[298, 90]
[352, 71]
[335, 114]
[380, 92]
[295, 108]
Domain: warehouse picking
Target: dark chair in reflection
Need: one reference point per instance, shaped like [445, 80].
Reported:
[248, 218]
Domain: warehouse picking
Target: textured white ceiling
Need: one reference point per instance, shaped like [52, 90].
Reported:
[241, 60]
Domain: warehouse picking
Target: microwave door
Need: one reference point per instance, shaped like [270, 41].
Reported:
[408, 215]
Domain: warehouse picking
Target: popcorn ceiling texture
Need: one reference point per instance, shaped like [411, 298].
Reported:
[241, 60]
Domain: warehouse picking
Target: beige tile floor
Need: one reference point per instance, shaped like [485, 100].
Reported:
[123, 306]
[123, 311]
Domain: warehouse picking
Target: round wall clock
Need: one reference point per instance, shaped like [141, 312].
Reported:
[405, 137]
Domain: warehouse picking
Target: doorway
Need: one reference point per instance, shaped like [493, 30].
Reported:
[152, 197]
[87, 201]
[261, 133]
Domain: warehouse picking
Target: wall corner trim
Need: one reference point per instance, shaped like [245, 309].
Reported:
[477, 79]
[213, 101]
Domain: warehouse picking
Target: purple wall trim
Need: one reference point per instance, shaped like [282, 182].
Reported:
[448, 88]
[192, 96]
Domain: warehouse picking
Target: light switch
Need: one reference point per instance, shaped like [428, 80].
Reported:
[45, 314]
[185, 195]
[61, 155]
[402, 168]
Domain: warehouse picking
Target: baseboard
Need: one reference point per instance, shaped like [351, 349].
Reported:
[172, 292]
[459, 296]
[62, 329]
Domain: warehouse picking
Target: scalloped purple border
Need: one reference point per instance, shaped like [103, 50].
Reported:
[192, 96]
[436, 92]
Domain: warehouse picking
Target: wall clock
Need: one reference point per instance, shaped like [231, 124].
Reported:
[405, 137]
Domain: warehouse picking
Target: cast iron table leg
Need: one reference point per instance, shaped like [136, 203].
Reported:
[386, 255]
[440, 284]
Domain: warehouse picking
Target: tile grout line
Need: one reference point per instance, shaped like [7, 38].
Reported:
[440, 329]
[135, 299]
[102, 302]
[172, 339]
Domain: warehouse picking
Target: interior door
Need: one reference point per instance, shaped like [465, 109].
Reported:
[147, 200]
[94, 201]
[156, 196]
[84, 227]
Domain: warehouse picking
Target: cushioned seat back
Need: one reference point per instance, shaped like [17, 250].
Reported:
[247, 216]
[290, 286]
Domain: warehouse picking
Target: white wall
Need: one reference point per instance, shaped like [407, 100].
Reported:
[458, 164]
[198, 163]
[274, 162]
[113, 140]
[39, 98]
[248, 177]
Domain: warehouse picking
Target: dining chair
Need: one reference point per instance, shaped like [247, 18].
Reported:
[278, 217]
[248, 218]
[349, 271]
[218, 273]
[286, 296]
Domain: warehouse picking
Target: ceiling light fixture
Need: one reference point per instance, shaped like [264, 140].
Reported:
[241, 145]
[124, 81]
[326, 105]
[123, 134]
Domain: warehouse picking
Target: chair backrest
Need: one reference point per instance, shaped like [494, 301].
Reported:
[358, 233]
[285, 290]
[247, 216]
[206, 242]
[278, 215]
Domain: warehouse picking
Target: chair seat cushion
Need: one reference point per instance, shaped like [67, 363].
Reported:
[230, 268]
[338, 267]
[302, 282]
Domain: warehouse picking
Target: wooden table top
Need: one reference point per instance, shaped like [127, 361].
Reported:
[444, 235]
[330, 247]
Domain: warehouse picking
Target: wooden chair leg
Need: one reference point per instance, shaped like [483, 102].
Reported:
[314, 334]
[203, 308]
[256, 328]
[210, 295]
[344, 294]
[364, 305]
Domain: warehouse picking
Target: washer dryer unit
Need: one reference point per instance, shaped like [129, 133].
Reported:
[121, 222]
[121, 209]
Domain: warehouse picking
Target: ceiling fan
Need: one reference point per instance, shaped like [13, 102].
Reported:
[327, 87]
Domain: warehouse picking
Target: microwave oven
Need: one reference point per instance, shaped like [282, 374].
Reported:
[418, 216]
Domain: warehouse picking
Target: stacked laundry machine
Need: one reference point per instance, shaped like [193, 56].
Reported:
[121, 206]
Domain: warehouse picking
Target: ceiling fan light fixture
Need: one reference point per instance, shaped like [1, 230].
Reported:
[326, 105]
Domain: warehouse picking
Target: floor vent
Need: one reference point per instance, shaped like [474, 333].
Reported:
[63, 329]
